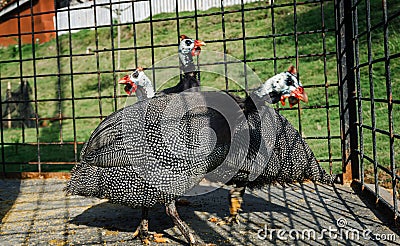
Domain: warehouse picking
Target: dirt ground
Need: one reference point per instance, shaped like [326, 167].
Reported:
[37, 212]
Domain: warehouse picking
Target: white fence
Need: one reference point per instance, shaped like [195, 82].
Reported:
[98, 13]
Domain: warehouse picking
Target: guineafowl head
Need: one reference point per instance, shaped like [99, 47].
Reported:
[281, 86]
[132, 80]
[130, 86]
[188, 48]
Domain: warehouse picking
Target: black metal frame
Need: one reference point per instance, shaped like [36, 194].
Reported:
[353, 126]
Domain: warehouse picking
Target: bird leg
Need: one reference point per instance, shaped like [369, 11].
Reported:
[235, 203]
[143, 230]
[183, 227]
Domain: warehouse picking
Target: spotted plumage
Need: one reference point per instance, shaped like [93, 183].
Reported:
[144, 141]
[287, 156]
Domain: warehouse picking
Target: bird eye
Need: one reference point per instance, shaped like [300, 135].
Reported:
[188, 42]
[289, 81]
[135, 74]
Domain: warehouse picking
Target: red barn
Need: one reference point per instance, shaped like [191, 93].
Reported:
[40, 13]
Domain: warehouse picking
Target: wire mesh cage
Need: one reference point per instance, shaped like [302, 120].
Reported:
[375, 93]
[61, 61]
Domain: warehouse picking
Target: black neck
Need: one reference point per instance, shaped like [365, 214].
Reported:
[187, 64]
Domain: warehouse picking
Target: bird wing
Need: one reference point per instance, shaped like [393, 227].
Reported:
[165, 130]
[111, 142]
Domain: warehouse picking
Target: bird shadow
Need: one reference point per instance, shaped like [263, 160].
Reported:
[121, 218]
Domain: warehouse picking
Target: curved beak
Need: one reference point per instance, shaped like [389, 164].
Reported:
[197, 47]
[124, 80]
[295, 96]
[300, 94]
[198, 43]
[130, 86]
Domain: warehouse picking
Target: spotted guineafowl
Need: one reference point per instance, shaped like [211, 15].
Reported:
[275, 156]
[156, 150]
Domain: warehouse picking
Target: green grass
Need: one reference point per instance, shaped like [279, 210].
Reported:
[257, 22]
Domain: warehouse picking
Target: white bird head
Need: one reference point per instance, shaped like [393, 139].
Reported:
[137, 80]
[188, 48]
[283, 85]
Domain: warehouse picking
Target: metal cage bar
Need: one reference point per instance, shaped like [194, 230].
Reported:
[346, 77]
[389, 92]
[243, 25]
[3, 156]
[366, 77]
[224, 45]
[72, 91]
[35, 86]
[372, 94]
[359, 94]
[327, 105]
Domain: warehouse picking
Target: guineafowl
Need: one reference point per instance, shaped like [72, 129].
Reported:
[277, 154]
[156, 150]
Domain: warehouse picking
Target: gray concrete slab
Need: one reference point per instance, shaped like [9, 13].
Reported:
[37, 212]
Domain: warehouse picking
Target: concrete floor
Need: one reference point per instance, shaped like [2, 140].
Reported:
[37, 212]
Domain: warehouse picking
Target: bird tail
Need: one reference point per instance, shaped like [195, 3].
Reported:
[323, 177]
[316, 172]
[84, 181]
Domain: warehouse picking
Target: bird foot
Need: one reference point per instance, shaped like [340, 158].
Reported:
[233, 219]
[147, 237]
[158, 237]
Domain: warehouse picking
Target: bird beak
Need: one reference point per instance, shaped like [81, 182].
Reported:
[295, 96]
[124, 80]
[300, 94]
[198, 43]
[197, 47]
[130, 87]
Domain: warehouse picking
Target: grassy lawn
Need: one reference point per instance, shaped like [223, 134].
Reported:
[88, 76]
